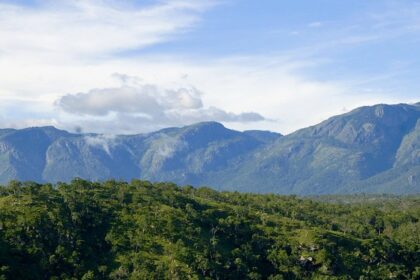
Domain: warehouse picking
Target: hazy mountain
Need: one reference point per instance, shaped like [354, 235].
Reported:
[370, 149]
[184, 155]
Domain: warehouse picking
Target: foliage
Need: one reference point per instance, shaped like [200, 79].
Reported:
[140, 230]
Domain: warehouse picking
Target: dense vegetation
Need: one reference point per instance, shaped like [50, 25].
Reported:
[139, 230]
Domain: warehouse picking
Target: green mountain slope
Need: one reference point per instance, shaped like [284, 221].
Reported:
[184, 155]
[370, 149]
[354, 152]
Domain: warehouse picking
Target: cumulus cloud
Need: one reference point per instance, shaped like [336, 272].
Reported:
[146, 105]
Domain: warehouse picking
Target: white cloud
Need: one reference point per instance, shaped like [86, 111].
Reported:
[315, 24]
[271, 86]
[24, 123]
[145, 106]
[131, 97]
[91, 29]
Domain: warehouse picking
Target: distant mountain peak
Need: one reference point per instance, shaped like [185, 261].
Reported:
[206, 125]
[200, 126]
[207, 129]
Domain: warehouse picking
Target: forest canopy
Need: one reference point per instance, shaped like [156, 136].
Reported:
[139, 230]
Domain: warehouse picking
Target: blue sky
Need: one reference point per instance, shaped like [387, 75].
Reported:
[383, 37]
[134, 66]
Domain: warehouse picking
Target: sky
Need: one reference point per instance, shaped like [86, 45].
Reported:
[128, 67]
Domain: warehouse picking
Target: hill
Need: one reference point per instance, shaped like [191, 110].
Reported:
[139, 230]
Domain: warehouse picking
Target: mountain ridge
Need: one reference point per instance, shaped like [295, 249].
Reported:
[369, 149]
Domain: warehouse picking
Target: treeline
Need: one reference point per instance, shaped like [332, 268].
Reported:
[140, 230]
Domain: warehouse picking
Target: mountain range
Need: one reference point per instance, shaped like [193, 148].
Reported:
[372, 149]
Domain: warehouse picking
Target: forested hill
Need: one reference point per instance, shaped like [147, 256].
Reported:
[139, 230]
[373, 149]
